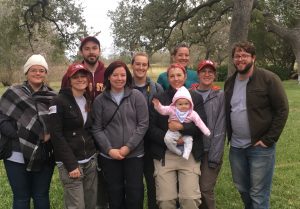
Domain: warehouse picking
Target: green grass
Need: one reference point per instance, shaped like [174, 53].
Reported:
[286, 183]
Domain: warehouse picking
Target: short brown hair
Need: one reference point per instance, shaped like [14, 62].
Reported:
[180, 45]
[244, 45]
[143, 54]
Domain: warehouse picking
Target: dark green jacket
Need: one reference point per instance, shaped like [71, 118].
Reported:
[267, 106]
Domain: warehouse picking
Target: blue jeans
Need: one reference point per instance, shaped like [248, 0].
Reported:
[252, 171]
[26, 185]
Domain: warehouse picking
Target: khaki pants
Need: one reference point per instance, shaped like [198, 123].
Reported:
[186, 173]
[208, 180]
[80, 193]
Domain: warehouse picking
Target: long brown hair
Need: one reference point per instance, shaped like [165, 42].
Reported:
[88, 94]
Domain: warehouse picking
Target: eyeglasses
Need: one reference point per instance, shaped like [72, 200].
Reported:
[209, 72]
[242, 56]
[37, 70]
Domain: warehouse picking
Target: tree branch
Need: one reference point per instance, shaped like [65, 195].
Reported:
[30, 16]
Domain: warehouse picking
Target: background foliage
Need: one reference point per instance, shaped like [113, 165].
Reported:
[155, 25]
[28, 27]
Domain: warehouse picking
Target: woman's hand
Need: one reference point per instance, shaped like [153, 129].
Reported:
[46, 137]
[124, 151]
[75, 173]
[115, 154]
[180, 141]
[175, 125]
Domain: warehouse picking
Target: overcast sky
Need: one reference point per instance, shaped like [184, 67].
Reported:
[95, 14]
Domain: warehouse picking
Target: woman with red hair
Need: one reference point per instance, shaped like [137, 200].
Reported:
[171, 168]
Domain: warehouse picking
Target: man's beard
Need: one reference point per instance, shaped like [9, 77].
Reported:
[91, 62]
[246, 69]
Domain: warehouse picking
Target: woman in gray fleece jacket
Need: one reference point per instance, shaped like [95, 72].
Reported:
[121, 121]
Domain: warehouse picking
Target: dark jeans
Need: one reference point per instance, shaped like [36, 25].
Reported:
[26, 185]
[150, 181]
[124, 182]
[102, 196]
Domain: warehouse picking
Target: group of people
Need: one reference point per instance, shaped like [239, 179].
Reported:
[108, 129]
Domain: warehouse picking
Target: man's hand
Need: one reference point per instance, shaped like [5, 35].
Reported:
[260, 143]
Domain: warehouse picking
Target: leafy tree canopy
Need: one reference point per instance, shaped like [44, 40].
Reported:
[160, 24]
[37, 26]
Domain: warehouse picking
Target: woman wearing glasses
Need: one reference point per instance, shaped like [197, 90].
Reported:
[23, 111]
[211, 163]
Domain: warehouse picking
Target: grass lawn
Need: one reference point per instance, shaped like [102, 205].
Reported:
[286, 183]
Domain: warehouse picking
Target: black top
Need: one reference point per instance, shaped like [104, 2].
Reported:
[159, 125]
[71, 137]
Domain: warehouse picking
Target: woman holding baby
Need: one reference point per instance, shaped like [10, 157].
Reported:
[171, 167]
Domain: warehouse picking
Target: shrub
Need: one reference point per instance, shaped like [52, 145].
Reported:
[284, 74]
[222, 73]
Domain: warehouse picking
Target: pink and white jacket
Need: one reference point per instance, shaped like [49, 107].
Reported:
[192, 116]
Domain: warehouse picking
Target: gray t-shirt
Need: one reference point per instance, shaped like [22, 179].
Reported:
[241, 137]
[203, 93]
[117, 97]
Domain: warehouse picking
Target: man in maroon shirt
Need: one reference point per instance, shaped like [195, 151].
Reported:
[90, 51]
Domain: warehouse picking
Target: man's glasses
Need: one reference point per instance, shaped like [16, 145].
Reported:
[241, 56]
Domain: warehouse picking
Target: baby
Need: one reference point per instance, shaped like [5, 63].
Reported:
[181, 109]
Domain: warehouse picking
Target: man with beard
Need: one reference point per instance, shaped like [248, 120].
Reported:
[256, 113]
[90, 51]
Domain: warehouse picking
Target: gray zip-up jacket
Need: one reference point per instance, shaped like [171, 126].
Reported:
[127, 127]
[215, 111]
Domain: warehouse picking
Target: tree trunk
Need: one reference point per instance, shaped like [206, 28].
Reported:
[290, 35]
[239, 26]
